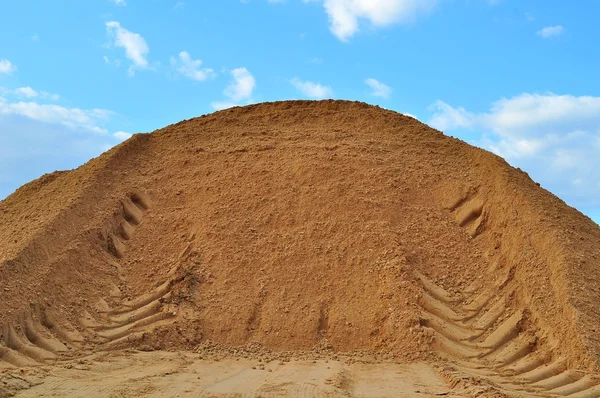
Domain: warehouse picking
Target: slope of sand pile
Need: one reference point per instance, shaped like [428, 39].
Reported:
[302, 224]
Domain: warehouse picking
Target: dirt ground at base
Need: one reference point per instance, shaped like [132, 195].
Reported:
[183, 374]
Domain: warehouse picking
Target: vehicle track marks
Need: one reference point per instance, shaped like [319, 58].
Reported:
[487, 334]
[44, 335]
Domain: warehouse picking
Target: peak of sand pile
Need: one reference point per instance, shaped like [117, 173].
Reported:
[291, 224]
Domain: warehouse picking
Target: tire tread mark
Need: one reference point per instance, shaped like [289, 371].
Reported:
[490, 344]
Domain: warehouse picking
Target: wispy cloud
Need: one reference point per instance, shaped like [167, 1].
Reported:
[555, 137]
[191, 68]
[28, 92]
[122, 135]
[345, 16]
[242, 86]
[73, 118]
[312, 89]
[7, 67]
[220, 105]
[240, 89]
[135, 46]
[551, 31]
[378, 89]
[47, 136]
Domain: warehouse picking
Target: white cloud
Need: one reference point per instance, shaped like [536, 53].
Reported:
[120, 2]
[551, 31]
[345, 16]
[7, 67]
[47, 137]
[220, 105]
[379, 89]
[525, 115]
[239, 89]
[554, 137]
[136, 48]
[27, 92]
[242, 86]
[50, 96]
[311, 89]
[191, 68]
[36, 147]
[122, 135]
[73, 118]
[446, 117]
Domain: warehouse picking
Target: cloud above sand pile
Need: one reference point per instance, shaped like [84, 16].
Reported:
[135, 46]
[346, 16]
[378, 89]
[73, 118]
[41, 147]
[122, 135]
[311, 89]
[555, 137]
[191, 68]
[48, 136]
[239, 89]
[242, 86]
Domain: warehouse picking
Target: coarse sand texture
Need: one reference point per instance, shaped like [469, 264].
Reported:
[295, 225]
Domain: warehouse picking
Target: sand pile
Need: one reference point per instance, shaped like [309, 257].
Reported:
[295, 225]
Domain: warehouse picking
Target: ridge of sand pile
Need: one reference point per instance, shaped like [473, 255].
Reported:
[290, 224]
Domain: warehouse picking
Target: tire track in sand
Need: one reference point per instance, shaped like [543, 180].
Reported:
[44, 335]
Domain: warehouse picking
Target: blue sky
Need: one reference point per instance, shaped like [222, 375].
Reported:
[517, 77]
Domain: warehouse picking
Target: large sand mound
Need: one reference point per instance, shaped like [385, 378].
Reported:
[298, 225]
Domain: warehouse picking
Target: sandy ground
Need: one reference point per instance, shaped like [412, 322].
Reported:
[166, 374]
